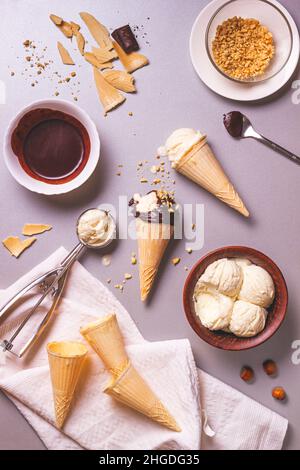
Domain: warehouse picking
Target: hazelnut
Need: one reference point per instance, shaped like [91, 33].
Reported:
[247, 374]
[279, 393]
[270, 367]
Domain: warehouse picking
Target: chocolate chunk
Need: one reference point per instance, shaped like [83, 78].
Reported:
[126, 39]
[234, 123]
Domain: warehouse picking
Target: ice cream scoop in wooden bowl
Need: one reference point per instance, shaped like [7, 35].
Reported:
[239, 302]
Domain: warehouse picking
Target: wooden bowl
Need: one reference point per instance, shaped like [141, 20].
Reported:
[276, 314]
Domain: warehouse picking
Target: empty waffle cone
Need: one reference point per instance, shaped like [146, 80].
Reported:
[65, 361]
[105, 337]
[153, 239]
[131, 390]
[201, 166]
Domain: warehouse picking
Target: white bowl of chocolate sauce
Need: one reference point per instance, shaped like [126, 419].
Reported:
[51, 147]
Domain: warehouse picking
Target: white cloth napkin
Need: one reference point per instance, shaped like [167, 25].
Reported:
[96, 421]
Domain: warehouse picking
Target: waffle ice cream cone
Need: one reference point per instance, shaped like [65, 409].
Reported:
[131, 390]
[201, 166]
[65, 361]
[106, 339]
[153, 239]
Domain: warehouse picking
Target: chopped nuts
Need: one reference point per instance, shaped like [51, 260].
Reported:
[175, 261]
[189, 250]
[243, 48]
[106, 260]
[270, 367]
[279, 393]
[143, 180]
[133, 259]
[119, 286]
[127, 276]
[247, 374]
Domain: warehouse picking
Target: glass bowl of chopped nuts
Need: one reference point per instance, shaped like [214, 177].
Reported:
[249, 41]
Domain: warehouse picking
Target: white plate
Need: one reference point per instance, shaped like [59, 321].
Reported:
[224, 86]
[16, 170]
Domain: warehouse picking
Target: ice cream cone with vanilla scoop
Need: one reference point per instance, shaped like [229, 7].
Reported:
[154, 214]
[191, 155]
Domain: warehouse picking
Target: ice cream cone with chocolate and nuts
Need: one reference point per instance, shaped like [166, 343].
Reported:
[154, 227]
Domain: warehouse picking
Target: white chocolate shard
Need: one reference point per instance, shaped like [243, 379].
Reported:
[80, 42]
[35, 229]
[93, 60]
[120, 79]
[109, 96]
[64, 54]
[75, 27]
[57, 20]
[99, 32]
[132, 61]
[16, 246]
[104, 54]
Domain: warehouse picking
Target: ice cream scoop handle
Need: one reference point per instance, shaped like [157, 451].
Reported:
[278, 148]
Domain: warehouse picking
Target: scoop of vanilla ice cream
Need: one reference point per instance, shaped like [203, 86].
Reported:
[179, 143]
[147, 203]
[247, 319]
[224, 275]
[242, 262]
[257, 287]
[95, 226]
[213, 309]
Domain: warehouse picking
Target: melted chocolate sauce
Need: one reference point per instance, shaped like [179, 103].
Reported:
[51, 146]
[234, 123]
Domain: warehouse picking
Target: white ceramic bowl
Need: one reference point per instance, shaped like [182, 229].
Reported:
[16, 170]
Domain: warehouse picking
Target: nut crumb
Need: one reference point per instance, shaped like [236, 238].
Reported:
[127, 276]
[189, 250]
[279, 393]
[175, 261]
[247, 374]
[143, 180]
[270, 367]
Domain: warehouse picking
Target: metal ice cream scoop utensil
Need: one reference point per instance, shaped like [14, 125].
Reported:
[51, 285]
[239, 126]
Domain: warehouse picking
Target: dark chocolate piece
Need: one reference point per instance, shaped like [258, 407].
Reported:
[233, 122]
[126, 39]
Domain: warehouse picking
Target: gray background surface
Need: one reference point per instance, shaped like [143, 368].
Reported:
[170, 95]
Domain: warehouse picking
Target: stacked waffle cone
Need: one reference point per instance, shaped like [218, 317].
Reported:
[65, 360]
[201, 166]
[153, 239]
[126, 385]
[131, 390]
[106, 339]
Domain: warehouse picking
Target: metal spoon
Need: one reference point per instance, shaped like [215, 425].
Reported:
[239, 126]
